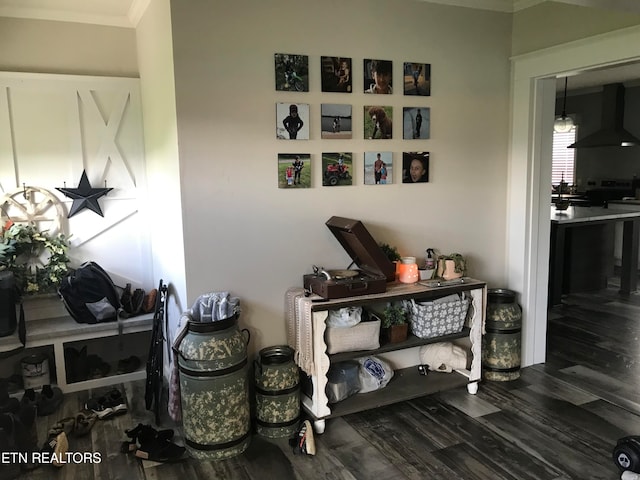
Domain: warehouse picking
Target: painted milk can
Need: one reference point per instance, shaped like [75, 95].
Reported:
[501, 345]
[277, 392]
[214, 388]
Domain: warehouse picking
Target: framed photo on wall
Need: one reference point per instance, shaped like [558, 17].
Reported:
[335, 120]
[378, 122]
[292, 121]
[292, 72]
[378, 76]
[294, 170]
[417, 78]
[415, 167]
[416, 122]
[378, 168]
[337, 169]
[336, 74]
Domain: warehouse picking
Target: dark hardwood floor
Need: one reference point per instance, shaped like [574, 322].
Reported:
[559, 421]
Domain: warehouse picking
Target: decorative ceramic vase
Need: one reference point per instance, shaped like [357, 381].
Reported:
[447, 269]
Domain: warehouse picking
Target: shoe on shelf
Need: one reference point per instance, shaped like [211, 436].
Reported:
[128, 365]
[49, 399]
[303, 441]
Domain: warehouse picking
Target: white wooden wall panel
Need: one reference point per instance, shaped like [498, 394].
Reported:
[52, 127]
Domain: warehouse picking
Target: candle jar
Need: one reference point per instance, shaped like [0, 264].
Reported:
[408, 270]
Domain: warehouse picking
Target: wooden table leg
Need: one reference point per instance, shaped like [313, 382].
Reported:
[629, 271]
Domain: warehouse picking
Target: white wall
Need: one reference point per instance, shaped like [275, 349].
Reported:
[164, 203]
[245, 235]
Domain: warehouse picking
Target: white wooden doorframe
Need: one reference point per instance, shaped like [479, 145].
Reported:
[532, 106]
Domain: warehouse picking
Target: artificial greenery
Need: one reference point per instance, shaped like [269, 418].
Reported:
[38, 260]
[391, 252]
[394, 314]
[460, 264]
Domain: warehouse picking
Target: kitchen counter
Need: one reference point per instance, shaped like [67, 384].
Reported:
[564, 259]
[633, 201]
[590, 214]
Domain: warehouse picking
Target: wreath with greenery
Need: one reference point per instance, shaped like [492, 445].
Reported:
[38, 260]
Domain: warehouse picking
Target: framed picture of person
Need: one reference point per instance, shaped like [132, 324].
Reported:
[292, 121]
[294, 170]
[415, 167]
[336, 74]
[417, 78]
[378, 168]
[292, 72]
[416, 121]
[378, 76]
[337, 169]
[335, 120]
[378, 122]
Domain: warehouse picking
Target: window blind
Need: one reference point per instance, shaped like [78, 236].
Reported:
[564, 158]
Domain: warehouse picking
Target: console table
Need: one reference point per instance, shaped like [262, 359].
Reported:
[406, 383]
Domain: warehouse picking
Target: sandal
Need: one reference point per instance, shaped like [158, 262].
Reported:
[161, 450]
[65, 425]
[153, 444]
[84, 422]
[144, 433]
[58, 445]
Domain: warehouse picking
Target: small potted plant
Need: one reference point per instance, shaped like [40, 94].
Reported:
[395, 326]
[392, 254]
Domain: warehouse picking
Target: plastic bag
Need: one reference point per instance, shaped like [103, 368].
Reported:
[345, 317]
[374, 374]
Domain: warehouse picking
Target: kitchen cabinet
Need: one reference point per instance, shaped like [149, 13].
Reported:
[407, 383]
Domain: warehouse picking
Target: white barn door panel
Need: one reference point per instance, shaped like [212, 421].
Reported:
[54, 127]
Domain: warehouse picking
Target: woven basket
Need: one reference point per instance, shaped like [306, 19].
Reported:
[430, 320]
[363, 336]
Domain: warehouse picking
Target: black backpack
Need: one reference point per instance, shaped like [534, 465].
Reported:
[90, 295]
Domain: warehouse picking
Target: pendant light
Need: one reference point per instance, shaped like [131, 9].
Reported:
[563, 124]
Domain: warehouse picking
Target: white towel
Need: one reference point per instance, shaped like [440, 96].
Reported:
[299, 328]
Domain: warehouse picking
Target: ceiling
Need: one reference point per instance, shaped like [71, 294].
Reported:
[127, 13]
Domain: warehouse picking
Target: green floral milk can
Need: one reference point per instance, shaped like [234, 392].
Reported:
[501, 344]
[277, 391]
[214, 388]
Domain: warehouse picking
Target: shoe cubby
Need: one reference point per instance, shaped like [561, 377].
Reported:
[104, 361]
[111, 341]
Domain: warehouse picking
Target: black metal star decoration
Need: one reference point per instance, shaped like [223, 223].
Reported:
[84, 196]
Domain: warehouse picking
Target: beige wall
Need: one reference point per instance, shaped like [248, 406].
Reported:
[164, 205]
[245, 235]
[551, 23]
[42, 46]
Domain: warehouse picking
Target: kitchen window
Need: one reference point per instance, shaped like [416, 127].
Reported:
[564, 159]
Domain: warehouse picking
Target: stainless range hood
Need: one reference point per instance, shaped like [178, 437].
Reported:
[612, 132]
